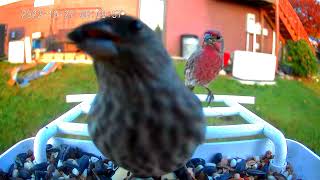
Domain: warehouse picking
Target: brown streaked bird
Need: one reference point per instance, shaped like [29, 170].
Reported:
[204, 64]
[143, 116]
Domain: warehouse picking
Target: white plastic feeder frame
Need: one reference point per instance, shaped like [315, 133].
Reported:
[64, 125]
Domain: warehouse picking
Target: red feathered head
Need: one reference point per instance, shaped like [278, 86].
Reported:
[214, 38]
[213, 33]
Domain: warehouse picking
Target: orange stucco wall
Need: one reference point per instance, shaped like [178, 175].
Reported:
[182, 17]
[195, 17]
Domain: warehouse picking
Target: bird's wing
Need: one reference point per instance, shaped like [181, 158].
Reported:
[190, 67]
[194, 56]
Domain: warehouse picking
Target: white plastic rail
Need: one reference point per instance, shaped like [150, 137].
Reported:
[256, 126]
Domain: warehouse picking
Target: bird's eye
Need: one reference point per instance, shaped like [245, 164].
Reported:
[218, 37]
[136, 26]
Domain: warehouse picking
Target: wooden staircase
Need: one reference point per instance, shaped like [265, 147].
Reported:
[290, 24]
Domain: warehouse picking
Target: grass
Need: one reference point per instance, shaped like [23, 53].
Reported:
[291, 106]
[24, 111]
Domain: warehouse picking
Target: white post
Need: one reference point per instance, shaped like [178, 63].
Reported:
[254, 41]
[27, 49]
[273, 43]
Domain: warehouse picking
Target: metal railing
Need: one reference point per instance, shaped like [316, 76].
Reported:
[256, 126]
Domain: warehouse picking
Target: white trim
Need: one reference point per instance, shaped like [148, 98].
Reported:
[40, 3]
[6, 2]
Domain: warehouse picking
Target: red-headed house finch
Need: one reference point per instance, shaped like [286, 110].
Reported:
[205, 63]
[143, 116]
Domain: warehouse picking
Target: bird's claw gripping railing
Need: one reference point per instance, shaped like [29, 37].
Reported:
[256, 126]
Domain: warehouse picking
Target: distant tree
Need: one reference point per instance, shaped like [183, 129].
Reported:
[158, 31]
[309, 14]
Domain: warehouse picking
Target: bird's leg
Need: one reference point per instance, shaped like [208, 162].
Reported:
[210, 96]
[191, 88]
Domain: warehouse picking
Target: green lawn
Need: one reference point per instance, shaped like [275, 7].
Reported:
[291, 106]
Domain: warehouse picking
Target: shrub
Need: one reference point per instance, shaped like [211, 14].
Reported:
[300, 58]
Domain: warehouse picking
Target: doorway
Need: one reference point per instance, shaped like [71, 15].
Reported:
[152, 12]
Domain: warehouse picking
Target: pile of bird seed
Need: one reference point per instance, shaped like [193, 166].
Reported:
[66, 162]
[223, 168]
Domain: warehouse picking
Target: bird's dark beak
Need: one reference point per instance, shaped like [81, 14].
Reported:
[96, 38]
[95, 30]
